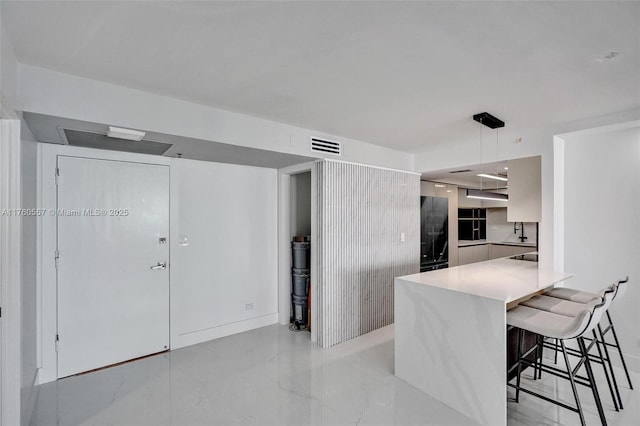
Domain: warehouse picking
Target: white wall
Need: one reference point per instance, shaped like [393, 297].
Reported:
[300, 187]
[29, 268]
[499, 230]
[10, 272]
[8, 77]
[602, 221]
[228, 214]
[63, 95]
[25, 287]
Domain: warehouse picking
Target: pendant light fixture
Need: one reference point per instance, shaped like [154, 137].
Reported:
[492, 122]
[495, 177]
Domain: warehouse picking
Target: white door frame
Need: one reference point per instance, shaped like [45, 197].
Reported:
[10, 273]
[48, 313]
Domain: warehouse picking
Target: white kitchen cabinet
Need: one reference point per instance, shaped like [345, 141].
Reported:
[481, 253]
[465, 255]
[473, 254]
[525, 190]
[522, 250]
[498, 251]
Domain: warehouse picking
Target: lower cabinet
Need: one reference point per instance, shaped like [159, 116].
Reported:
[473, 254]
[498, 251]
[482, 252]
[522, 250]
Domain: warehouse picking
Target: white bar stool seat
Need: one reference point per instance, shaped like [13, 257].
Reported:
[560, 306]
[549, 324]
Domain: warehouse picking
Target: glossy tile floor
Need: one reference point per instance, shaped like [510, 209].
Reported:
[272, 376]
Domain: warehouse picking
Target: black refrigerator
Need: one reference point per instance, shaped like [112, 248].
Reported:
[434, 233]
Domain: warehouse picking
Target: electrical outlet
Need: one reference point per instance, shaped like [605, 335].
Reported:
[249, 306]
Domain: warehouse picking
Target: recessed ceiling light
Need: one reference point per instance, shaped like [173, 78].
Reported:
[439, 185]
[506, 168]
[128, 134]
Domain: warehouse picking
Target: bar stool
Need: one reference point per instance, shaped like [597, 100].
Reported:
[586, 298]
[573, 309]
[561, 327]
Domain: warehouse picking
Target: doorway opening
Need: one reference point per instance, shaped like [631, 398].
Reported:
[300, 259]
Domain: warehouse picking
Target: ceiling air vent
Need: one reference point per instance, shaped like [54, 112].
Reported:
[461, 171]
[323, 145]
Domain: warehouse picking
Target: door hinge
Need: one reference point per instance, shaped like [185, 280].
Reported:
[57, 175]
[57, 340]
[57, 258]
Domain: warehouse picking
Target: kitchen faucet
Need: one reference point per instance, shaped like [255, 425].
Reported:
[515, 231]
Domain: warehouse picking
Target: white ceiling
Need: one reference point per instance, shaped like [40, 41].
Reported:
[398, 74]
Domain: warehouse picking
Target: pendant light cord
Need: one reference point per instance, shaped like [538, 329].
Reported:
[497, 159]
[481, 149]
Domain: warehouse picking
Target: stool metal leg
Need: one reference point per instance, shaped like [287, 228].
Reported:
[606, 372]
[572, 381]
[518, 355]
[613, 375]
[540, 342]
[615, 338]
[592, 381]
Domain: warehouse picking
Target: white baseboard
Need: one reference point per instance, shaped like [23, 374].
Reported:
[200, 336]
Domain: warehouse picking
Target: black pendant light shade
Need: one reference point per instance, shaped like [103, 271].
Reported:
[488, 120]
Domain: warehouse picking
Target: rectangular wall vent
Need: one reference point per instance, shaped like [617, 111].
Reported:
[323, 145]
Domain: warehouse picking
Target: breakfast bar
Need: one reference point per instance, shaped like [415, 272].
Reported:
[450, 331]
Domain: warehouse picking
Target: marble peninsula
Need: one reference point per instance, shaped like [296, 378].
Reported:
[450, 331]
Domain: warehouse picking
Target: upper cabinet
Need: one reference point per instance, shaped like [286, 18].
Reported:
[525, 190]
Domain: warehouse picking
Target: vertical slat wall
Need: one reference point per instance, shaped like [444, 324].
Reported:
[362, 211]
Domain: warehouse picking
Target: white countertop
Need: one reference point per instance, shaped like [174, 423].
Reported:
[501, 279]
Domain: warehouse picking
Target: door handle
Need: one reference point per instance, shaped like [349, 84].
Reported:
[160, 265]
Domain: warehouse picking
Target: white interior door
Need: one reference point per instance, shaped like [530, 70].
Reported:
[113, 237]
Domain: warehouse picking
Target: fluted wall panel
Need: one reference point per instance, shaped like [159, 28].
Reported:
[362, 213]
